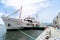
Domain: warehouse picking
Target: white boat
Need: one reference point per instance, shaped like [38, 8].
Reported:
[12, 23]
[49, 34]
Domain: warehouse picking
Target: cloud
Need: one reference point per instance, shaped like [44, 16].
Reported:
[46, 17]
[29, 7]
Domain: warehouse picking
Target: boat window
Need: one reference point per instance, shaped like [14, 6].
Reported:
[29, 20]
[25, 19]
[9, 25]
[37, 25]
[33, 25]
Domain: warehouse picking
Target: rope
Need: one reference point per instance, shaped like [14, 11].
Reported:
[26, 34]
[14, 12]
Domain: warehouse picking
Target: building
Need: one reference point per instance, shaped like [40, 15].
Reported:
[56, 20]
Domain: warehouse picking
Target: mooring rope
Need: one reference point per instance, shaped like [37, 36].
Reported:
[26, 34]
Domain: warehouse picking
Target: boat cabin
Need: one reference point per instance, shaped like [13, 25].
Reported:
[29, 19]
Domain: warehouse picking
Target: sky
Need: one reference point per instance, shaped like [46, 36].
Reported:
[46, 9]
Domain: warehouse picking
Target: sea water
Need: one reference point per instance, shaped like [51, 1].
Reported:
[2, 31]
[18, 35]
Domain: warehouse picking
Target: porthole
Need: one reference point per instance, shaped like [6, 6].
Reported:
[9, 25]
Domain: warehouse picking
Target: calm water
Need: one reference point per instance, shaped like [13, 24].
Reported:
[18, 35]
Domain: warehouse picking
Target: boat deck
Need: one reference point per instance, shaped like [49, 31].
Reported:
[49, 34]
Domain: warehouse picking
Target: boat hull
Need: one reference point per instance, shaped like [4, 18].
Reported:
[14, 24]
[28, 28]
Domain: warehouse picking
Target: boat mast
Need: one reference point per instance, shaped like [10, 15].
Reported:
[36, 16]
[20, 12]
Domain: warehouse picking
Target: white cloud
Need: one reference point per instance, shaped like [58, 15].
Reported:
[29, 7]
[46, 17]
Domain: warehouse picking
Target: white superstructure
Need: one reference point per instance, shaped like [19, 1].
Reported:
[12, 23]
